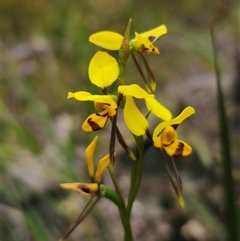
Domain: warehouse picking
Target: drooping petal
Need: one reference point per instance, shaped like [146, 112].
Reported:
[107, 40]
[158, 109]
[134, 90]
[89, 153]
[178, 148]
[102, 166]
[86, 96]
[103, 69]
[86, 189]
[95, 121]
[134, 119]
[188, 111]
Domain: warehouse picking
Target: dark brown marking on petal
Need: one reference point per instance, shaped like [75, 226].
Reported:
[179, 150]
[104, 115]
[143, 49]
[175, 126]
[94, 125]
[161, 132]
[83, 188]
[86, 190]
[168, 144]
[151, 38]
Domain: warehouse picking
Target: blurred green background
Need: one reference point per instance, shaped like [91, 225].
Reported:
[45, 54]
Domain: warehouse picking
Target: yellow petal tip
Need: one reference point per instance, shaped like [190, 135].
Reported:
[131, 154]
[70, 95]
[181, 202]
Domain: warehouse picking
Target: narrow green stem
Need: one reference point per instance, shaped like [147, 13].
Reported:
[122, 209]
[136, 175]
[113, 139]
[123, 57]
[122, 206]
[112, 195]
[128, 230]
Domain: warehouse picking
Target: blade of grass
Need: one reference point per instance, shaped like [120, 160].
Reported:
[230, 208]
[37, 225]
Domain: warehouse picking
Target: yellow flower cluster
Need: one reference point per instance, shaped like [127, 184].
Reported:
[103, 71]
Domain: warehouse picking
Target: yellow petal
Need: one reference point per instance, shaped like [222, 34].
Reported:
[158, 141]
[107, 40]
[103, 69]
[188, 111]
[89, 153]
[86, 189]
[134, 90]
[158, 109]
[134, 119]
[140, 41]
[106, 99]
[80, 95]
[86, 96]
[153, 34]
[102, 166]
[95, 121]
[178, 148]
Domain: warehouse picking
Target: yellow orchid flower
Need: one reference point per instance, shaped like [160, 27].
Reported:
[106, 104]
[142, 42]
[165, 135]
[96, 177]
[103, 71]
